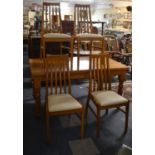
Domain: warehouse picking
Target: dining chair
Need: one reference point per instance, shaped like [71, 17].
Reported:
[58, 98]
[83, 30]
[51, 30]
[100, 90]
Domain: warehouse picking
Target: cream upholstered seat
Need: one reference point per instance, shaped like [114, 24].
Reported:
[58, 98]
[89, 35]
[100, 90]
[62, 102]
[56, 35]
[108, 98]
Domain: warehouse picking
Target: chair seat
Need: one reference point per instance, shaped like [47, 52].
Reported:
[108, 98]
[57, 35]
[89, 35]
[86, 52]
[62, 102]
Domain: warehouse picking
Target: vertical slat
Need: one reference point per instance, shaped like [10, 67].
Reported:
[55, 79]
[64, 79]
[84, 20]
[60, 18]
[97, 73]
[94, 73]
[68, 75]
[101, 74]
[51, 82]
[102, 46]
[90, 74]
[75, 20]
[71, 51]
[57, 22]
[60, 78]
[108, 73]
[90, 20]
[46, 18]
[46, 94]
[80, 20]
[91, 47]
[50, 17]
[87, 20]
[105, 71]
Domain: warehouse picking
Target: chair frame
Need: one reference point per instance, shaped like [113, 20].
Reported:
[55, 8]
[85, 22]
[57, 76]
[99, 74]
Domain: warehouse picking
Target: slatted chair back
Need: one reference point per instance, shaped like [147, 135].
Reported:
[57, 75]
[82, 19]
[111, 43]
[100, 78]
[51, 18]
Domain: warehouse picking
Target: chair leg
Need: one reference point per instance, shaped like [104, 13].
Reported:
[87, 105]
[126, 119]
[78, 53]
[47, 129]
[82, 125]
[98, 123]
[71, 51]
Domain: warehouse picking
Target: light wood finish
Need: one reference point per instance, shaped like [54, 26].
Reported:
[58, 98]
[52, 28]
[82, 18]
[51, 18]
[83, 30]
[80, 72]
[100, 89]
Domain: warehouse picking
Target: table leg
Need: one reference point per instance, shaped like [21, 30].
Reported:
[36, 95]
[121, 78]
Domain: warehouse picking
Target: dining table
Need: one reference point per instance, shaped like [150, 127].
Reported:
[79, 70]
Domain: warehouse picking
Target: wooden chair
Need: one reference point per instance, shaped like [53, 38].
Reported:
[83, 30]
[100, 90]
[52, 28]
[58, 98]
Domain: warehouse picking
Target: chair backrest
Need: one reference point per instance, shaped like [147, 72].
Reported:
[112, 44]
[100, 78]
[51, 18]
[82, 19]
[57, 75]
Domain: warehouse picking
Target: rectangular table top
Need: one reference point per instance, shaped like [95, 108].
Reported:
[78, 71]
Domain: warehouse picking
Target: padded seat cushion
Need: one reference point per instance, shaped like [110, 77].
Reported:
[107, 98]
[56, 35]
[89, 35]
[62, 102]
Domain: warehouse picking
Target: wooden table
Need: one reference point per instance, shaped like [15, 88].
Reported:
[77, 72]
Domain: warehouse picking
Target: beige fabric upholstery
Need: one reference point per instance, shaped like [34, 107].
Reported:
[62, 102]
[106, 98]
[89, 35]
[56, 35]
